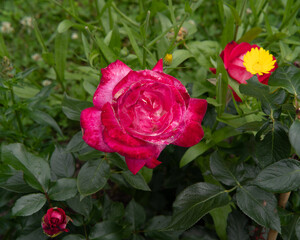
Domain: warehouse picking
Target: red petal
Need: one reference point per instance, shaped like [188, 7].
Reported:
[240, 50]
[111, 75]
[193, 131]
[152, 163]
[90, 120]
[118, 140]
[159, 66]
[134, 165]
[226, 53]
[213, 70]
[240, 74]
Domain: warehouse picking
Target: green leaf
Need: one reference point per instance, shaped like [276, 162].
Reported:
[62, 163]
[3, 49]
[84, 206]
[61, 50]
[282, 176]
[220, 216]
[29, 204]
[259, 205]
[196, 150]
[178, 57]
[72, 107]
[134, 44]
[274, 147]
[288, 78]
[221, 171]
[294, 136]
[74, 237]
[13, 180]
[236, 226]
[25, 91]
[112, 211]
[63, 189]
[269, 101]
[34, 234]
[39, 36]
[250, 35]
[92, 176]
[105, 231]
[65, 25]
[117, 160]
[135, 215]
[76, 143]
[106, 51]
[136, 181]
[45, 118]
[155, 224]
[194, 202]
[36, 169]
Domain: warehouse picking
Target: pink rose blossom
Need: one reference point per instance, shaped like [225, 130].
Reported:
[138, 113]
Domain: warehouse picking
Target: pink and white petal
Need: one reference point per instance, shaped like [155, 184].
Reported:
[159, 66]
[240, 74]
[92, 129]
[193, 131]
[111, 76]
[118, 140]
[181, 89]
[134, 165]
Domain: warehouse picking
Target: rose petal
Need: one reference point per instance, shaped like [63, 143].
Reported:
[193, 131]
[239, 73]
[264, 79]
[111, 75]
[134, 165]
[225, 54]
[213, 70]
[118, 140]
[90, 120]
[159, 66]
[148, 75]
[240, 50]
[152, 163]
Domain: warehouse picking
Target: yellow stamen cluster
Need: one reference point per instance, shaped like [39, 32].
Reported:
[258, 61]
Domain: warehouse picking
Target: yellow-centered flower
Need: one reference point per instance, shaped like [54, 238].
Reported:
[258, 61]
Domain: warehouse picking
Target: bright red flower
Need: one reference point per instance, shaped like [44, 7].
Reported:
[233, 58]
[55, 221]
[138, 113]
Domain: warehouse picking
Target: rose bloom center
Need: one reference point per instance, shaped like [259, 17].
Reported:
[146, 108]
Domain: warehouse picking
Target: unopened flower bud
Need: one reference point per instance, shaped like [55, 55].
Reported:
[55, 221]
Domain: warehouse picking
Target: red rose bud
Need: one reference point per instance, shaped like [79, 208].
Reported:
[138, 113]
[243, 61]
[54, 222]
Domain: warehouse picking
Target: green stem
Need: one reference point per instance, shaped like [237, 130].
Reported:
[124, 16]
[74, 16]
[231, 189]
[85, 232]
[16, 111]
[172, 46]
